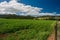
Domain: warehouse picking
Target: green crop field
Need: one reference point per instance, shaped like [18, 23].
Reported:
[25, 29]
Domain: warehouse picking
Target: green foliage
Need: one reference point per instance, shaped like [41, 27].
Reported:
[26, 29]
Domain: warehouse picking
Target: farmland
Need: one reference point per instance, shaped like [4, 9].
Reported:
[26, 29]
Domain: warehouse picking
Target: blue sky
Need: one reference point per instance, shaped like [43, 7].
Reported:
[47, 5]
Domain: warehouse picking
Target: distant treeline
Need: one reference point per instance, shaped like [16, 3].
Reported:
[13, 16]
[49, 17]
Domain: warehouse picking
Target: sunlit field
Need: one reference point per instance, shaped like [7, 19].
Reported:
[25, 29]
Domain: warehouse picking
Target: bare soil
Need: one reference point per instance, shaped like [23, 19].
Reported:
[51, 36]
[3, 36]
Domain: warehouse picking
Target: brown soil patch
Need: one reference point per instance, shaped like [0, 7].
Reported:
[51, 36]
[58, 36]
[3, 36]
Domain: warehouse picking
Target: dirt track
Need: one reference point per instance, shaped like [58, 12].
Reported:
[51, 37]
[58, 34]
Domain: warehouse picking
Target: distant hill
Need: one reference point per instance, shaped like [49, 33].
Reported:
[13, 16]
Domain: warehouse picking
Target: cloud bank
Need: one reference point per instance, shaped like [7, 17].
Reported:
[13, 7]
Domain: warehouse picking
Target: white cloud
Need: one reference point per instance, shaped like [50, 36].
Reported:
[13, 7]
[48, 13]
